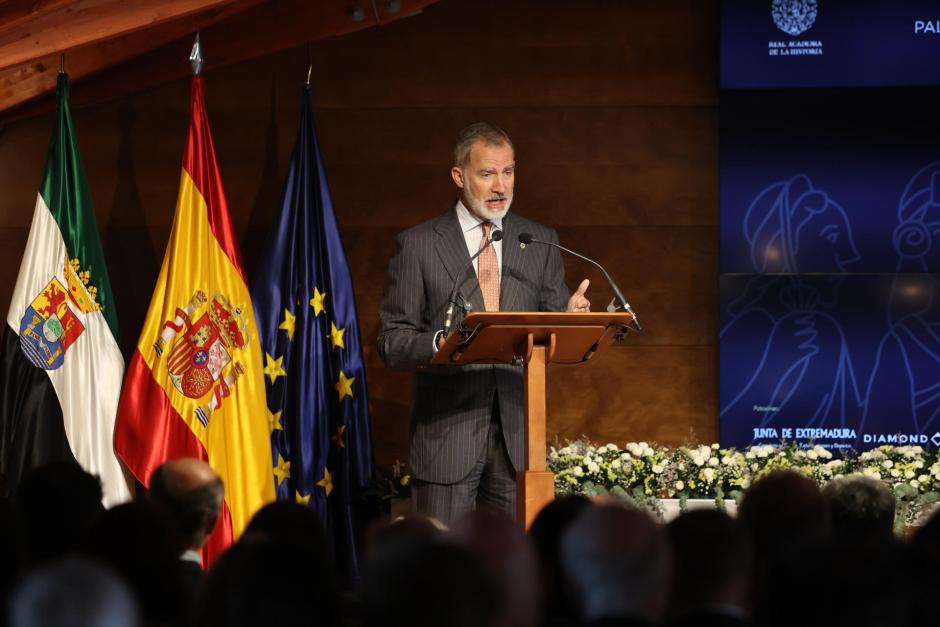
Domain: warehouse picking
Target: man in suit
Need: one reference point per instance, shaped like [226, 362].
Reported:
[467, 421]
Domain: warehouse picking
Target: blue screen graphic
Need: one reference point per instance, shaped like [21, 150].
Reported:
[829, 43]
[830, 261]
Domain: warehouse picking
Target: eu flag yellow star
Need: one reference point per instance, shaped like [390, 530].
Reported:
[301, 498]
[338, 436]
[336, 336]
[282, 470]
[344, 386]
[317, 302]
[327, 481]
[274, 369]
[274, 421]
[288, 323]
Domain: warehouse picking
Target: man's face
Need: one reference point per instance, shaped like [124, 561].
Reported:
[486, 182]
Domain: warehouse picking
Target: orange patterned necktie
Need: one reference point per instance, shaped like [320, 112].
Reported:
[488, 272]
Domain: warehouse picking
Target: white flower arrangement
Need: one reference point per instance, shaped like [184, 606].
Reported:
[644, 474]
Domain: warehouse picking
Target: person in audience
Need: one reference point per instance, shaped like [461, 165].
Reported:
[74, 592]
[861, 508]
[422, 580]
[619, 564]
[783, 511]
[56, 504]
[261, 581]
[11, 552]
[712, 585]
[546, 532]
[833, 582]
[509, 558]
[191, 491]
[138, 540]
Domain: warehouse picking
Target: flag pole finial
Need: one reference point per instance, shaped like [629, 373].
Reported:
[62, 63]
[195, 57]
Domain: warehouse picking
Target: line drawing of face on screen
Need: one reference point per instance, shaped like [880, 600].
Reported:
[903, 395]
[792, 227]
[784, 357]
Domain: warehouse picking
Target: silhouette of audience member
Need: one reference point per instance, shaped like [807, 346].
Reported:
[861, 509]
[192, 494]
[923, 576]
[138, 541]
[56, 503]
[509, 557]
[783, 511]
[546, 532]
[619, 563]
[713, 560]
[11, 553]
[293, 524]
[834, 582]
[262, 582]
[74, 592]
[415, 580]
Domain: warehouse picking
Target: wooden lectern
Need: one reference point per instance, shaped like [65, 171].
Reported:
[532, 340]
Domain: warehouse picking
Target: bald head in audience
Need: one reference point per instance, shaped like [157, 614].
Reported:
[192, 492]
[618, 562]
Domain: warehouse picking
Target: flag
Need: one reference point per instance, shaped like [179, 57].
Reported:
[195, 386]
[61, 369]
[318, 407]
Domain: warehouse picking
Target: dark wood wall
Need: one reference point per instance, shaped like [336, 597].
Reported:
[612, 105]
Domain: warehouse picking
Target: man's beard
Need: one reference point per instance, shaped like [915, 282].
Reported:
[478, 207]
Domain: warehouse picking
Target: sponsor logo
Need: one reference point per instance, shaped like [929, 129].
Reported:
[794, 17]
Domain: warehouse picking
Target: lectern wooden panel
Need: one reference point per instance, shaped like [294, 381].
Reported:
[532, 340]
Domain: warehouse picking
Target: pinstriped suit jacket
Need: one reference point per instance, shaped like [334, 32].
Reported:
[453, 405]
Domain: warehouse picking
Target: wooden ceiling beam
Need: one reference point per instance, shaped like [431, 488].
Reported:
[260, 30]
[83, 22]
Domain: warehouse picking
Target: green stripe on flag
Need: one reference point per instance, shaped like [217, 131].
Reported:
[65, 191]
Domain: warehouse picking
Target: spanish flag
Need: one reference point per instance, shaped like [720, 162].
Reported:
[195, 385]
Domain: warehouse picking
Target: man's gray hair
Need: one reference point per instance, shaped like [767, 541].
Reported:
[489, 134]
[860, 504]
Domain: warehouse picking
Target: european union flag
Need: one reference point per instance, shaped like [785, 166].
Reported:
[318, 408]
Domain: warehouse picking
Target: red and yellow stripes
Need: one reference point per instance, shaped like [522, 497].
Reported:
[156, 421]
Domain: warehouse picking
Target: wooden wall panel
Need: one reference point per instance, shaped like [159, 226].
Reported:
[612, 105]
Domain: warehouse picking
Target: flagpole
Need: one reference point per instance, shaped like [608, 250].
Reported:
[62, 63]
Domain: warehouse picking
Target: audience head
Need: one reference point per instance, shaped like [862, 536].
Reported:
[546, 532]
[421, 580]
[192, 492]
[74, 592]
[860, 508]
[713, 562]
[139, 542]
[265, 582]
[618, 561]
[291, 523]
[782, 512]
[509, 557]
[56, 503]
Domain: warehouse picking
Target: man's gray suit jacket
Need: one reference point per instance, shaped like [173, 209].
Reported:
[453, 405]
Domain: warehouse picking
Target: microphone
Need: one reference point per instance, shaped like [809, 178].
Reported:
[526, 238]
[495, 236]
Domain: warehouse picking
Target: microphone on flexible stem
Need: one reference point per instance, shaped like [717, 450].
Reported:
[495, 236]
[526, 238]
